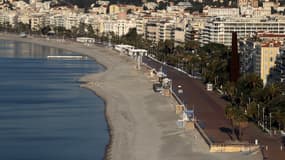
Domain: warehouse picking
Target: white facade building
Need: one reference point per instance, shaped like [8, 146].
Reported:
[219, 29]
[8, 17]
[118, 27]
[223, 11]
[37, 21]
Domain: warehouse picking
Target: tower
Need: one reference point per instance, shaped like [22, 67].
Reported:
[234, 62]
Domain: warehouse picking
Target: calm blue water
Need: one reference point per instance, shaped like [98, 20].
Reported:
[44, 114]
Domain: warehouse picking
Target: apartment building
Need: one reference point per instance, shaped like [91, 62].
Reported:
[180, 31]
[210, 11]
[140, 26]
[118, 27]
[115, 9]
[278, 73]
[71, 20]
[37, 21]
[265, 57]
[219, 29]
[166, 30]
[270, 36]
[24, 18]
[152, 30]
[194, 28]
[57, 20]
[34, 1]
[247, 48]
[99, 10]
[253, 3]
[249, 11]
[150, 5]
[8, 18]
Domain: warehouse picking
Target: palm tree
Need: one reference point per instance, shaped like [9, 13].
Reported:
[272, 90]
[279, 116]
[230, 90]
[252, 110]
[237, 118]
[230, 114]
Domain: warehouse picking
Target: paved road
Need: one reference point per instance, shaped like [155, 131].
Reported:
[209, 109]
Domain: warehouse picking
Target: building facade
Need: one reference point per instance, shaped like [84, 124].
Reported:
[264, 59]
[219, 29]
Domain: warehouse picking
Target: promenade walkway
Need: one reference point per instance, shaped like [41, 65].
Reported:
[209, 111]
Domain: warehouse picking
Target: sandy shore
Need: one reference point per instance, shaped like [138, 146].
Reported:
[142, 122]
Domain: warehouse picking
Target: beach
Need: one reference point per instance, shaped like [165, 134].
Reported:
[142, 123]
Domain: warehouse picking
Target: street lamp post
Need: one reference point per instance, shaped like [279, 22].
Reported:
[263, 117]
[180, 92]
[270, 116]
[258, 114]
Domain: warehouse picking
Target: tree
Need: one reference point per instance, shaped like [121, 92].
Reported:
[22, 27]
[162, 5]
[276, 106]
[45, 30]
[252, 110]
[214, 63]
[246, 85]
[168, 46]
[179, 50]
[230, 90]
[238, 119]
[90, 31]
[82, 29]
[129, 11]
[192, 45]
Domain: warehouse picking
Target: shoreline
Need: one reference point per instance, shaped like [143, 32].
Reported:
[110, 128]
[153, 132]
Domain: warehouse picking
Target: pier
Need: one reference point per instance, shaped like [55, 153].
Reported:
[66, 57]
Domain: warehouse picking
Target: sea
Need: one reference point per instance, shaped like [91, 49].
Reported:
[44, 113]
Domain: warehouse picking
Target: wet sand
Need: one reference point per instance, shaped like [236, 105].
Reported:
[142, 123]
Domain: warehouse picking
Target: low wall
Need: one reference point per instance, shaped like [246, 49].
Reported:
[203, 134]
[233, 147]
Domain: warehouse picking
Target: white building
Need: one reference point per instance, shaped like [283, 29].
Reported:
[151, 30]
[34, 1]
[118, 27]
[24, 18]
[99, 10]
[8, 17]
[37, 21]
[150, 5]
[223, 12]
[219, 29]
[248, 11]
[72, 20]
[57, 20]
[166, 30]
[264, 59]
